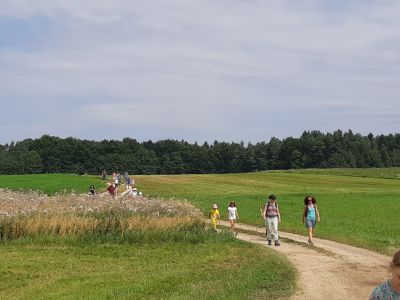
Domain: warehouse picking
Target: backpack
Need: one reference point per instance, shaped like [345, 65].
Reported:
[268, 205]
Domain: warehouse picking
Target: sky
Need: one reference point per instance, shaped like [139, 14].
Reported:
[200, 71]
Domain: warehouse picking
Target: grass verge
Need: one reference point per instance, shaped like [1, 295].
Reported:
[72, 247]
[82, 268]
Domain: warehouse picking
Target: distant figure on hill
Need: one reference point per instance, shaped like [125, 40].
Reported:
[214, 215]
[92, 190]
[389, 290]
[103, 175]
[310, 216]
[128, 181]
[272, 217]
[232, 215]
[117, 180]
[112, 190]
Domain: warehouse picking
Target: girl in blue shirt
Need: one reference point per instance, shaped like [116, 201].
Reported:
[310, 216]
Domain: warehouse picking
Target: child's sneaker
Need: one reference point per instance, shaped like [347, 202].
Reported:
[277, 243]
[269, 242]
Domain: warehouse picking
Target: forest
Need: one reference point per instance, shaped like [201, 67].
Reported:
[313, 149]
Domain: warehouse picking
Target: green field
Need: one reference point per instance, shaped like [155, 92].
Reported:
[110, 267]
[358, 206]
[383, 173]
[361, 211]
[77, 247]
[213, 268]
[51, 183]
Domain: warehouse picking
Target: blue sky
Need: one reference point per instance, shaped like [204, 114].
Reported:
[198, 70]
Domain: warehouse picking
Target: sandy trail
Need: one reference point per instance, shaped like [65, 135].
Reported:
[336, 272]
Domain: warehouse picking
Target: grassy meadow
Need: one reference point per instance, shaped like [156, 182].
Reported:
[383, 173]
[358, 207]
[51, 183]
[71, 268]
[81, 247]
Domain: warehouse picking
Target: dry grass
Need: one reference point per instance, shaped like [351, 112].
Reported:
[28, 203]
[31, 213]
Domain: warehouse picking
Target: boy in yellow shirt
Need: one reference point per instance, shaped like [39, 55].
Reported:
[214, 215]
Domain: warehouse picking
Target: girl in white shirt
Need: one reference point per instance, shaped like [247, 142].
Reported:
[232, 216]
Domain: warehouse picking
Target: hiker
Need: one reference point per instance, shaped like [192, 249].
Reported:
[103, 175]
[391, 288]
[272, 217]
[310, 216]
[117, 180]
[128, 181]
[112, 190]
[92, 190]
[232, 216]
[214, 215]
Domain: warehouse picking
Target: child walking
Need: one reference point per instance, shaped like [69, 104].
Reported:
[232, 216]
[391, 288]
[310, 216]
[271, 217]
[214, 215]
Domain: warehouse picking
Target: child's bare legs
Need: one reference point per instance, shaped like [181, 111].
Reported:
[310, 234]
[232, 225]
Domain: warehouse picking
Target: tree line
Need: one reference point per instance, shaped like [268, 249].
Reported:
[313, 149]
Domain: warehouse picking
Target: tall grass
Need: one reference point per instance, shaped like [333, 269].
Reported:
[122, 227]
[33, 214]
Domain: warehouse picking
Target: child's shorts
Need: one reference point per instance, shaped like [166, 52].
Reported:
[311, 223]
[214, 221]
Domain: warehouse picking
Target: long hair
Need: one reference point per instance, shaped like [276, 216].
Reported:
[313, 200]
[232, 203]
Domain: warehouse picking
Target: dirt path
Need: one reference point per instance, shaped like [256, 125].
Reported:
[329, 270]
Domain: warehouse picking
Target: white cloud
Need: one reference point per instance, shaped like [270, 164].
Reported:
[202, 69]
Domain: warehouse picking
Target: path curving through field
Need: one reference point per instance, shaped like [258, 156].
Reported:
[329, 270]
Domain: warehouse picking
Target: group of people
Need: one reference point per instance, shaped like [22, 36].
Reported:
[272, 217]
[130, 190]
[112, 187]
[233, 215]
[389, 290]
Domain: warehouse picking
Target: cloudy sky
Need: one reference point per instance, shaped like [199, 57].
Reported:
[198, 70]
